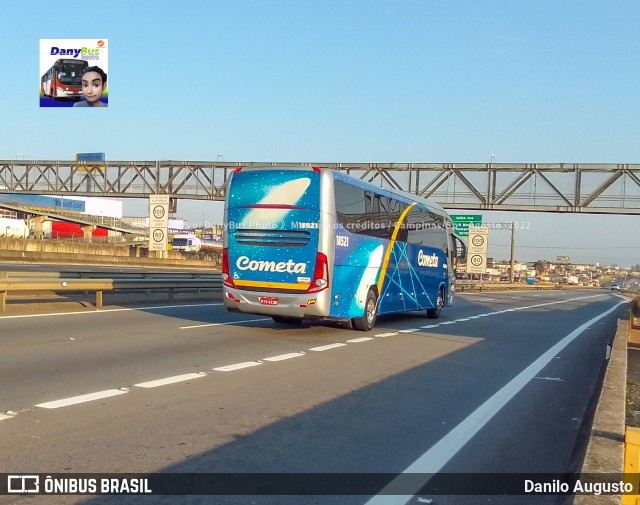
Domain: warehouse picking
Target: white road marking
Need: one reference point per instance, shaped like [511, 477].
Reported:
[358, 340]
[448, 322]
[430, 326]
[486, 300]
[107, 311]
[463, 319]
[282, 357]
[170, 380]
[327, 347]
[556, 379]
[65, 402]
[410, 330]
[382, 335]
[5, 416]
[439, 454]
[237, 366]
[223, 324]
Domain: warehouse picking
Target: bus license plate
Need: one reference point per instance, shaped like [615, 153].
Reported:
[265, 300]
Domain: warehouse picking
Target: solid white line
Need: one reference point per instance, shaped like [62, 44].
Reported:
[5, 416]
[282, 357]
[170, 380]
[430, 326]
[237, 366]
[65, 402]
[223, 324]
[439, 454]
[448, 322]
[463, 319]
[327, 347]
[358, 340]
[486, 300]
[106, 311]
[410, 330]
[382, 335]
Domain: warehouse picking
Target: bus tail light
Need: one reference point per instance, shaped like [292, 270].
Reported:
[320, 279]
[226, 273]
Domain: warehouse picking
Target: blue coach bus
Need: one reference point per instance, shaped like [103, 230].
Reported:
[318, 244]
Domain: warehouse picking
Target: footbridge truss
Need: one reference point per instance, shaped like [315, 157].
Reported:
[547, 187]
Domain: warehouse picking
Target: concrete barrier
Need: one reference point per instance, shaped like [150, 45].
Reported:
[605, 451]
[634, 319]
[68, 252]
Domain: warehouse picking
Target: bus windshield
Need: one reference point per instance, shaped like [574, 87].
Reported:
[70, 73]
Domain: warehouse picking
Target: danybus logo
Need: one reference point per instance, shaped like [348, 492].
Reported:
[100, 43]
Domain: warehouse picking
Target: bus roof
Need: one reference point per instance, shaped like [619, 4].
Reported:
[401, 195]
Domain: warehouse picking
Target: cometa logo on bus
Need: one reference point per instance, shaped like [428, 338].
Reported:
[244, 263]
[425, 260]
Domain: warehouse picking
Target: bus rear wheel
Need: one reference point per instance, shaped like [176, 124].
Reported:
[435, 312]
[367, 321]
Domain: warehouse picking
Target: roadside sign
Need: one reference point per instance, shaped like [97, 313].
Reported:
[461, 223]
[477, 249]
[158, 221]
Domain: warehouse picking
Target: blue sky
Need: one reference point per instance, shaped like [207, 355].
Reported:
[348, 81]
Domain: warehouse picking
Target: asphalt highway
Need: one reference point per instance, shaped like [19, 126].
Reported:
[503, 382]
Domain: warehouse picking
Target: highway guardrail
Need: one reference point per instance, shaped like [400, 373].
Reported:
[12, 282]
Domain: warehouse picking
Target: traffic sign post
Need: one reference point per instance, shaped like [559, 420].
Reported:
[477, 250]
[158, 222]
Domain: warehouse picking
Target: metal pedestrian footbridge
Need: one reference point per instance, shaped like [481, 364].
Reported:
[548, 187]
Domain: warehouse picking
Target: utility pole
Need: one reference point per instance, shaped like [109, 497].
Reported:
[513, 251]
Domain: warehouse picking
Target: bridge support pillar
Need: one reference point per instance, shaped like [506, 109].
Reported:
[88, 230]
[36, 224]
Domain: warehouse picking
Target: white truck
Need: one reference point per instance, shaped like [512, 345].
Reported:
[186, 243]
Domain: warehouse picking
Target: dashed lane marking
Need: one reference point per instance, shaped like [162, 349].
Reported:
[74, 400]
[327, 347]
[170, 380]
[237, 366]
[223, 324]
[282, 357]
[190, 376]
